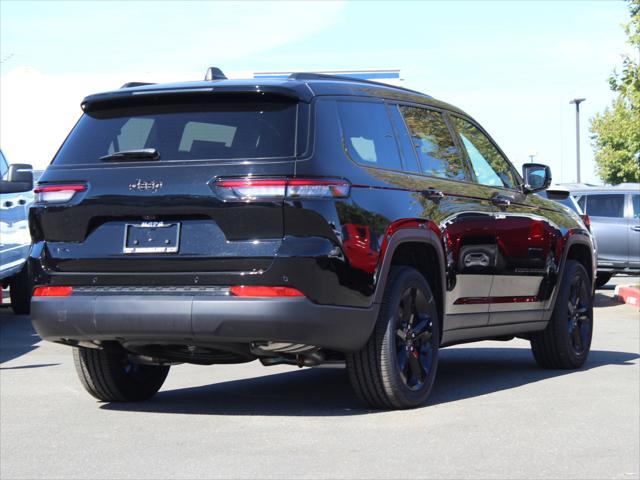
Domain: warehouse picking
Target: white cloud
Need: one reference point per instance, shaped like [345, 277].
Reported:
[39, 109]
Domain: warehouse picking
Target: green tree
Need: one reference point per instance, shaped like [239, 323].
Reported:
[616, 131]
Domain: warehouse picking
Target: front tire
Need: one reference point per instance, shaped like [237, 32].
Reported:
[112, 377]
[566, 341]
[20, 292]
[397, 367]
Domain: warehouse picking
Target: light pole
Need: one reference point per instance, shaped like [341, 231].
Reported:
[577, 102]
[531, 155]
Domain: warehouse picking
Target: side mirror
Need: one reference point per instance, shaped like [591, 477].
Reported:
[19, 179]
[537, 177]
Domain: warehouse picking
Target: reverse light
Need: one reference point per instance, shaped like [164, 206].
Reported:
[52, 291]
[253, 291]
[57, 193]
[278, 188]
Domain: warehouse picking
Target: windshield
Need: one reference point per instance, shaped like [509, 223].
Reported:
[185, 131]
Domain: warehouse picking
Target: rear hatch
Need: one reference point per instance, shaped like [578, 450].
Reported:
[154, 208]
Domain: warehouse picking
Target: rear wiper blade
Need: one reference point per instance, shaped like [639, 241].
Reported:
[137, 154]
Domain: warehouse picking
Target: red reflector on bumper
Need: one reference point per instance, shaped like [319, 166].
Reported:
[52, 291]
[250, 291]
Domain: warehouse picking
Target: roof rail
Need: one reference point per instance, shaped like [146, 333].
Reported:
[136, 84]
[214, 73]
[345, 78]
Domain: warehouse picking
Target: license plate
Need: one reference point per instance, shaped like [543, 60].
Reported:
[152, 237]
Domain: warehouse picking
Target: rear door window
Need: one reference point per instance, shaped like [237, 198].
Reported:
[611, 206]
[409, 159]
[204, 130]
[432, 140]
[368, 134]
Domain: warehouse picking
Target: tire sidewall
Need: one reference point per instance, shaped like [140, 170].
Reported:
[560, 315]
[407, 278]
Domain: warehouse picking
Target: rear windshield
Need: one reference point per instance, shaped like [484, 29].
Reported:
[185, 131]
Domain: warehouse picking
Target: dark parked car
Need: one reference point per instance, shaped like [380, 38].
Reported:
[299, 220]
[615, 217]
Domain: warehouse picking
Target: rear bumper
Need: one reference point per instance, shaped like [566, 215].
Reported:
[201, 319]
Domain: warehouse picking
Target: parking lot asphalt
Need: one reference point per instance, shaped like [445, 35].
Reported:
[493, 414]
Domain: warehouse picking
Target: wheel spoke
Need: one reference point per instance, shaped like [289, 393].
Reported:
[584, 319]
[577, 339]
[425, 358]
[424, 337]
[402, 361]
[571, 307]
[401, 334]
[406, 308]
[422, 324]
[416, 368]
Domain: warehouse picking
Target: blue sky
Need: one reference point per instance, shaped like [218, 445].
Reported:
[514, 66]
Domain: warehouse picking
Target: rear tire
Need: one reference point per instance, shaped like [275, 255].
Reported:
[112, 377]
[602, 278]
[566, 341]
[397, 367]
[20, 292]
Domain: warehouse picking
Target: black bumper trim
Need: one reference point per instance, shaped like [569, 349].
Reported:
[180, 319]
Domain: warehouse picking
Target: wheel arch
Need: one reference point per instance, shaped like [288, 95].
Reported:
[580, 248]
[420, 248]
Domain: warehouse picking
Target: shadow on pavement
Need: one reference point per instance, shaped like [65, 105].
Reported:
[602, 300]
[38, 365]
[463, 373]
[17, 336]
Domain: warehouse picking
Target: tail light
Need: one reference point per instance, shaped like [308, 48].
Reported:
[52, 291]
[57, 193]
[586, 220]
[252, 291]
[247, 189]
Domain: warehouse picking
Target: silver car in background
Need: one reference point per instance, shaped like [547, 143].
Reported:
[615, 221]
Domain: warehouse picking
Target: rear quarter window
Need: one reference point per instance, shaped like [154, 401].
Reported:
[368, 135]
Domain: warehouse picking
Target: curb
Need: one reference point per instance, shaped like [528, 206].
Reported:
[628, 294]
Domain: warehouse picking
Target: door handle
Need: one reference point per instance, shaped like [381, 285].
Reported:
[636, 228]
[501, 200]
[432, 194]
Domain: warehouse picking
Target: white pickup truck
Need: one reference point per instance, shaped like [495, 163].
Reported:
[16, 196]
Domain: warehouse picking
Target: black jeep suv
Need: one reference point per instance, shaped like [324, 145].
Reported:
[301, 220]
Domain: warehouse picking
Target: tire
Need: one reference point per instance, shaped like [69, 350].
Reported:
[20, 292]
[386, 373]
[111, 377]
[602, 278]
[566, 341]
